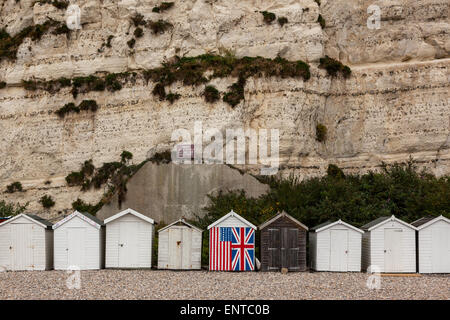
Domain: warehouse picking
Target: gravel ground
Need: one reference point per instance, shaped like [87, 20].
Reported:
[155, 284]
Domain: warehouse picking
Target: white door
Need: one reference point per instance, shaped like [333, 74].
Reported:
[392, 250]
[128, 245]
[75, 247]
[186, 240]
[175, 248]
[339, 250]
[22, 246]
[441, 249]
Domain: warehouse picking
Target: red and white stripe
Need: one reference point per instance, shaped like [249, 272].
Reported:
[220, 251]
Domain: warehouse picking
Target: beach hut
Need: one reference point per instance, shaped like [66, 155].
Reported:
[389, 245]
[129, 237]
[232, 244]
[26, 243]
[79, 242]
[179, 246]
[335, 246]
[433, 244]
[283, 244]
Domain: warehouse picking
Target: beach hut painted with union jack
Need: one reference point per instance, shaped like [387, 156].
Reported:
[232, 244]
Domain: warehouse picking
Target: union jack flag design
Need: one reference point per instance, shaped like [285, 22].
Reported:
[232, 249]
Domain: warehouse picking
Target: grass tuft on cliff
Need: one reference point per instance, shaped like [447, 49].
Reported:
[163, 7]
[334, 67]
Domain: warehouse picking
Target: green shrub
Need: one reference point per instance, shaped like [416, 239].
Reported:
[85, 105]
[138, 33]
[159, 91]
[269, 17]
[334, 67]
[47, 201]
[161, 157]
[125, 156]
[334, 171]
[321, 132]
[321, 21]
[163, 7]
[282, 21]
[56, 3]
[62, 29]
[211, 94]
[159, 26]
[131, 43]
[67, 108]
[108, 41]
[236, 93]
[81, 206]
[88, 105]
[171, 97]
[11, 209]
[138, 20]
[2, 84]
[75, 179]
[13, 187]
[318, 2]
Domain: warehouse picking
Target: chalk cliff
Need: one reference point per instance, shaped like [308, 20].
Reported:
[394, 105]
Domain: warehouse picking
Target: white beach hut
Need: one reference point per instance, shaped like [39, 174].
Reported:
[335, 246]
[26, 243]
[129, 237]
[389, 245]
[79, 242]
[433, 244]
[179, 246]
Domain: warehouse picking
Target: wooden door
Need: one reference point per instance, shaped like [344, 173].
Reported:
[128, 244]
[274, 249]
[339, 250]
[75, 247]
[22, 246]
[293, 250]
[175, 248]
[440, 249]
[392, 250]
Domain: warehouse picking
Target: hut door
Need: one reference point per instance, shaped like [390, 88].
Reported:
[175, 248]
[75, 247]
[186, 238]
[392, 252]
[128, 245]
[274, 249]
[292, 249]
[441, 249]
[22, 246]
[339, 250]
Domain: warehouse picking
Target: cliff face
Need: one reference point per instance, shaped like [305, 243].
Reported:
[394, 105]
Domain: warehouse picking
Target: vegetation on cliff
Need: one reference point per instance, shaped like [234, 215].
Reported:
[11, 209]
[334, 67]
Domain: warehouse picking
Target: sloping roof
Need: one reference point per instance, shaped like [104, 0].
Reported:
[278, 216]
[369, 225]
[89, 218]
[129, 211]
[422, 221]
[40, 221]
[321, 225]
[380, 221]
[429, 220]
[232, 214]
[329, 224]
[183, 222]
